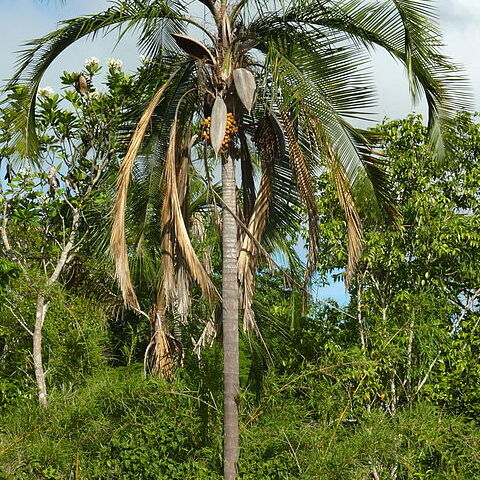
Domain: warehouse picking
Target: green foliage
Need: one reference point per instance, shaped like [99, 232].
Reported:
[116, 426]
[75, 339]
[387, 388]
[119, 425]
[8, 271]
[414, 307]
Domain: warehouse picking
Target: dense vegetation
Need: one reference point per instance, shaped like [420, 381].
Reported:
[384, 387]
[273, 87]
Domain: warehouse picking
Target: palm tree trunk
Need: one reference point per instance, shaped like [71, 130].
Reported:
[230, 323]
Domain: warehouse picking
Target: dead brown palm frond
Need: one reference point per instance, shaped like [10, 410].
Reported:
[118, 242]
[165, 347]
[248, 257]
[182, 170]
[197, 229]
[183, 279]
[209, 332]
[175, 235]
[304, 182]
[268, 146]
[184, 301]
[164, 352]
[347, 202]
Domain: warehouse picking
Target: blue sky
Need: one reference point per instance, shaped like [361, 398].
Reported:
[21, 20]
[25, 19]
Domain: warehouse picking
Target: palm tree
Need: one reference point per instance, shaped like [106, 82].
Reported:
[288, 77]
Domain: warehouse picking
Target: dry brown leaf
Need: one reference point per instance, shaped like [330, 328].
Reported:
[248, 257]
[174, 225]
[347, 202]
[354, 224]
[118, 243]
[304, 181]
[192, 47]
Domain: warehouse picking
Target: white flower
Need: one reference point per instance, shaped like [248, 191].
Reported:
[92, 62]
[94, 94]
[145, 60]
[114, 64]
[45, 92]
[24, 171]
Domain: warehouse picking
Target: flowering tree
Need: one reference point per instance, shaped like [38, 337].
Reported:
[78, 145]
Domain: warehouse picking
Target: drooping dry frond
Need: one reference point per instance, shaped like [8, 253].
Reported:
[248, 257]
[118, 242]
[183, 279]
[268, 147]
[198, 231]
[304, 183]
[347, 202]
[168, 280]
[248, 184]
[184, 301]
[209, 332]
[175, 235]
[166, 349]
[182, 169]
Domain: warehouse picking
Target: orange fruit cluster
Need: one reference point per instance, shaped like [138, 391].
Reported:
[230, 131]
[205, 128]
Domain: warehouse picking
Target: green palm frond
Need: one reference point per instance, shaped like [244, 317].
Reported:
[284, 216]
[405, 29]
[332, 69]
[41, 52]
[294, 83]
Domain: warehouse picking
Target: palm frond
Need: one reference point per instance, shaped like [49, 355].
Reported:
[304, 183]
[175, 234]
[118, 241]
[283, 218]
[248, 184]
[300, 94]
[347, 202]
[248, 256]
[39, 53]
[338, 70]
[407, 30]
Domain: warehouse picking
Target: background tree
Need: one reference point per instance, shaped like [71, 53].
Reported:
[48, 212]
[413, 303]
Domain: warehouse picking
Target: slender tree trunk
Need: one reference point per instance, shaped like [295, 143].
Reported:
[230, 323]
[40, 313]
[408, 379]
[361, 325]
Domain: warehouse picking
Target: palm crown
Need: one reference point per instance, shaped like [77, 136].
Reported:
[275, 88]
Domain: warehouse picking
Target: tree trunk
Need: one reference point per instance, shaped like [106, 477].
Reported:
[230, 323]
[40, 313]
[361, 325]
[42, 307]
